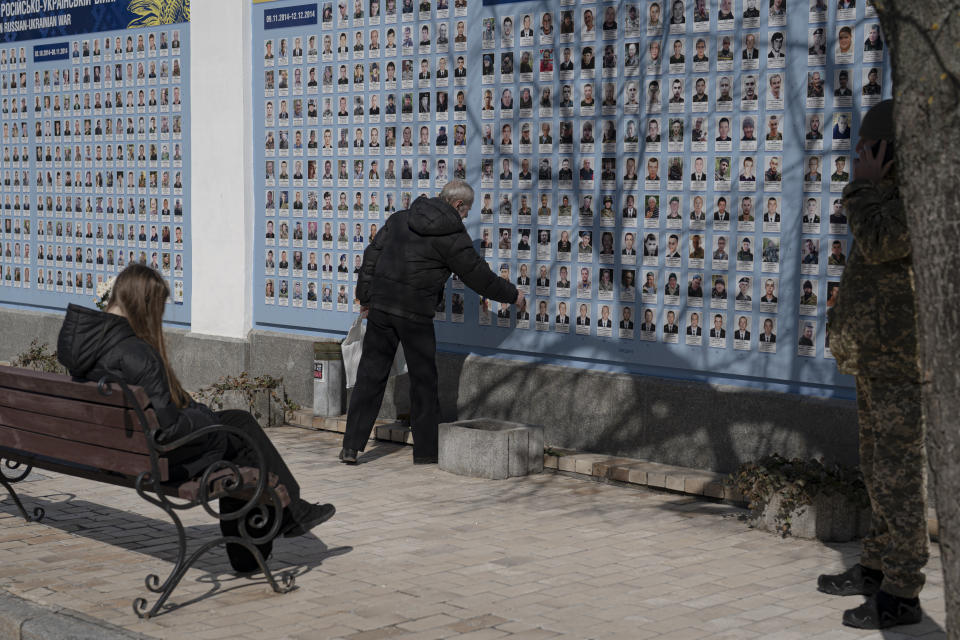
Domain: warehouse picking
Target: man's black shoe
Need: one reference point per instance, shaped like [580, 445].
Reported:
[424, 459]
[858, 580]
[314, 514]
[348, 456]
[883, 610]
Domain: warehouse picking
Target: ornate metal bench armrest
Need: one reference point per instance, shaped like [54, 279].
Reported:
[231, 485]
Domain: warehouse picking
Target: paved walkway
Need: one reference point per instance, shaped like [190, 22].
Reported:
[414, 552]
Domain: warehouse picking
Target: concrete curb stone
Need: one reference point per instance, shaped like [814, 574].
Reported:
[21, 619]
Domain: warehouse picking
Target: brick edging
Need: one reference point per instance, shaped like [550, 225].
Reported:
[338, 424]
[642, 473]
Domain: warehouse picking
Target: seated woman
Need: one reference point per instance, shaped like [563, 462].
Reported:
[127, 341]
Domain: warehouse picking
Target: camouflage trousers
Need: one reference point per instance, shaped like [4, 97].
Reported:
[894, 464]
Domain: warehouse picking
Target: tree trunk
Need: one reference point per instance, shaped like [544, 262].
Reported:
[924, 42]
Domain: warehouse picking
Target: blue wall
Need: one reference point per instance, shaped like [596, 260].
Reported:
[71, 62]
[778, 248]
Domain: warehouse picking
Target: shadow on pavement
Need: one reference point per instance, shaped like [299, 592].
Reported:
[380, 450]
[126, 530]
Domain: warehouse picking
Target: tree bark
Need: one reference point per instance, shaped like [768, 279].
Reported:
[924, 43]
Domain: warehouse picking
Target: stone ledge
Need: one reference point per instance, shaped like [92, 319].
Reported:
[642, 473]
[618, 469]
[660, 476]
[393, 432]
[386, 430]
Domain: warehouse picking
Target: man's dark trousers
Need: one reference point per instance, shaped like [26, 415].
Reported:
[384, 331]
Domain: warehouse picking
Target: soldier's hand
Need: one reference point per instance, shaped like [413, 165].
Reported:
[869, 166]
[519, 299]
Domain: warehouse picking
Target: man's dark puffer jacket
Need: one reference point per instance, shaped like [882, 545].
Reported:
[93, 343]
[409, 260]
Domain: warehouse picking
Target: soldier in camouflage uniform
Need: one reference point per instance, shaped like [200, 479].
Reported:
[873, 335]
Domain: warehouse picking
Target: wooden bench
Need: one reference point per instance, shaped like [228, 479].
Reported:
[105, 432]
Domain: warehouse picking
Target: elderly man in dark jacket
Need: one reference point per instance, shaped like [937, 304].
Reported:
[400, 285]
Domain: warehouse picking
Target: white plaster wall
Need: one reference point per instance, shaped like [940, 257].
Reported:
[222, 170]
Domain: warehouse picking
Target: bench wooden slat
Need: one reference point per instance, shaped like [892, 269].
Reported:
[191, 489]
[188, 490]
[63, 386]
[105, 415]
[79, 453]
[67, 468]
[53, 422]
[108, 416]
[81, 471]
[74, 431]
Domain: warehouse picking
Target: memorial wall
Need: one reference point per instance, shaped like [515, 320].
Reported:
[94, 110]
[662, 179]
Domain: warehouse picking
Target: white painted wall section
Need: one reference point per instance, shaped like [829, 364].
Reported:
[221, 182]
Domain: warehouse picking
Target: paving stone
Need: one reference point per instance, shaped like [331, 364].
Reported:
[535, 634]
[376, 634]
[428, 622]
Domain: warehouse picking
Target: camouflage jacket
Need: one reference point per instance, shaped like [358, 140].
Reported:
[873, 326]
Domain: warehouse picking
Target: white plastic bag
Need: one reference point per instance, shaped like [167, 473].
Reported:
[352, 349]
[399, 363]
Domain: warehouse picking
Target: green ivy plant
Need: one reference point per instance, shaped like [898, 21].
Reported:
[39, 358]
[797, 482]
[250, 387]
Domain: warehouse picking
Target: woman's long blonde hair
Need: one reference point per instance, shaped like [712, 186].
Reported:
[141, 292]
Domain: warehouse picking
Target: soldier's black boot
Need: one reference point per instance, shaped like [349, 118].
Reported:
[858, 580]
[883, 610]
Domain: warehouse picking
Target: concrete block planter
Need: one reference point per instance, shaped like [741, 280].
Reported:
[491, 449]
[263, 396]
[270, 411]
[830, 518]
[804, 497]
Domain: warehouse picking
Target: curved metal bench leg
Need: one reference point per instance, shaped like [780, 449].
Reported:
[6, 481]
[143, 609]
[152, 580]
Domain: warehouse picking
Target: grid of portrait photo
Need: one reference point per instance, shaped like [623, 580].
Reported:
[641, 146]
[640, 169]
[832, 105]
[361, 112]
[93, 154]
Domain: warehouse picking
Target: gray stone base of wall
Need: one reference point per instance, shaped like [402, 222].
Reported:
[689, 424]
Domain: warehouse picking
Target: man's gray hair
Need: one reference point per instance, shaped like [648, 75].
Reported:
[457, 190]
